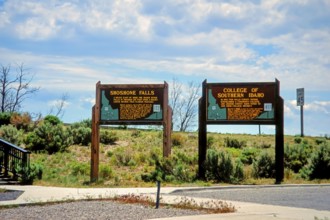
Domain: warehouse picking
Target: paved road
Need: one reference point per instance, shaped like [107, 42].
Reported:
[314, 197]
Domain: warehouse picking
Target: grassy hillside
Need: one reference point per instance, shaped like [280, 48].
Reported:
[135, 153]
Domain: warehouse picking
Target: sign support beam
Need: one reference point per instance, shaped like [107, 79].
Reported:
[202, 133]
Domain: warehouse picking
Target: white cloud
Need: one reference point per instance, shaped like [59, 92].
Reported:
[90, 101]
[4, 19]
[318, 106]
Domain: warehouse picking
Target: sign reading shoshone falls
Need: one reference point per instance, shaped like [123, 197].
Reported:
[241, 102]
[131, 103]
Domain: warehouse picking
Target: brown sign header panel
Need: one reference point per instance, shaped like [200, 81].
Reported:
[132, 103]
[241, 102]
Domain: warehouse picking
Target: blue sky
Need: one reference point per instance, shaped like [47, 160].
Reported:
[70, 45]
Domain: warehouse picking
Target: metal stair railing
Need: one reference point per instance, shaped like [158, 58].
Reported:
[11, 156]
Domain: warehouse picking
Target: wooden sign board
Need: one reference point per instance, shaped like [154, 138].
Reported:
[136, 104]
[132, 103]
[246, 103]
[241, 103]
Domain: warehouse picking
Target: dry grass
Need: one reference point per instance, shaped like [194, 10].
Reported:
[213, 206]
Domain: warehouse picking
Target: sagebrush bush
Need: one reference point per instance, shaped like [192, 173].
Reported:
[108, 137]
[78, 168]
[81, 135]
[123, 157]
[234, 143]
[48, 137]
[11, 134]
[320, 141]
[296, 157]
[297, 140]
[106, 172]
[5, 118]
[319, 164]
[27, 174]
[248, 155]
[170, 170]
[178, 139]
[264, 166]
[210, 141]
[218, 166]
[238, 174]
[52, 119]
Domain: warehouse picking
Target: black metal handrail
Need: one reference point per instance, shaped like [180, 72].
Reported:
[11, 156]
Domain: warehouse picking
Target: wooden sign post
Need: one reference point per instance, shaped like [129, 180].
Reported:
[130, 104]
[241, 103]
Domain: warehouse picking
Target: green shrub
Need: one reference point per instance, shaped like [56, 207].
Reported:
[108, 137]
[264, 166]
[265, 145]
[79, 169]
[210, 141]
[218, 166]
[234, 143]
[123, 156]
[11, 134]
[319, 165]
[169, 170]
[49, 138]
[105, 171]
[238, 174]
[5, 118]
[53, 120]
[248, 155]
[297, 140]
[319, 141]
[109, 153]
[26, 175]
[296, 157]
[81, 135]
[155, 155]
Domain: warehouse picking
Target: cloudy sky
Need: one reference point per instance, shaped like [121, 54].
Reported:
[70, 45]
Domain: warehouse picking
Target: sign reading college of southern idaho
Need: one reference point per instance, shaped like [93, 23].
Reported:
[131, 103]
[241, 102]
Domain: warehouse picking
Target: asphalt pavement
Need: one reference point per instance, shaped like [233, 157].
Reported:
[170, 195]
[300, 196]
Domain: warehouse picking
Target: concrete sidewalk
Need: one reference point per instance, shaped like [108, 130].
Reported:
[247, 211]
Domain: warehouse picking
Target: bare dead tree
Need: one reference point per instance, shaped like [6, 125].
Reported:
[15, 89]
[175, 91]
[184, 103]
[58, 108]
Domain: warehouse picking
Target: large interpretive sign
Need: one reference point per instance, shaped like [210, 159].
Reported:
[132, 103]
[243, 102]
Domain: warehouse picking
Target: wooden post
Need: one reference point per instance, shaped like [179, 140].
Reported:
[94, 175]
[279, 140]
[202, 133]
[167, 124]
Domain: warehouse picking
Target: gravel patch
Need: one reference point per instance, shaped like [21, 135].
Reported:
[92, 210]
